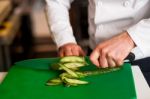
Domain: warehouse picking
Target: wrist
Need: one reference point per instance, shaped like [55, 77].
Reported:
[129, 40]
[67, 44]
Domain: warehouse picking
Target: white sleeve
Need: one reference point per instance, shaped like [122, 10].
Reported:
[140, 33]
[59, 22]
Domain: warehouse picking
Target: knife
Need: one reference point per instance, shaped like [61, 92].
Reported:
[44, 63]
[130, 58]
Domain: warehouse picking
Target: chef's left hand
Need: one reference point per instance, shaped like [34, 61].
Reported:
[112, 52]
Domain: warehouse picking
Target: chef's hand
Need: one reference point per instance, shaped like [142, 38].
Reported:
[71, 49]
[112, 52]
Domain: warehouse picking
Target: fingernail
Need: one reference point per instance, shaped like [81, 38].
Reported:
[104, 66]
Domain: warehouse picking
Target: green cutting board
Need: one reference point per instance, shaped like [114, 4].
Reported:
[26, 80]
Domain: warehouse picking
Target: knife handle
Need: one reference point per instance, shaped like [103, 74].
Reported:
[130, 57]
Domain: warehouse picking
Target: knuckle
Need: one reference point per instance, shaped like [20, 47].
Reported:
[104, 51]
[118, 58]
[110, 55]
[76, 48]
[67, 47]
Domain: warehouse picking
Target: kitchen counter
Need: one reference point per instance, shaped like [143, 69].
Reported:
[5, 8]
[142, 88]
[2, 76]
[9, 29]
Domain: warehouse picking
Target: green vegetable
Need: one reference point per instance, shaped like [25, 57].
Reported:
[69, 71]
[71, 75]
[89, 73]
[70, 59]
[70, 84]
[67, 75]
[74, 64]
[74, 68]
[97, 72]
[57, 66]
[56, 81]
[73, 81]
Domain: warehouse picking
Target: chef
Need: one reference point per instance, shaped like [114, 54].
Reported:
[116, 28]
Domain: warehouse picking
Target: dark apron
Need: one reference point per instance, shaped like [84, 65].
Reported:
[144, 65]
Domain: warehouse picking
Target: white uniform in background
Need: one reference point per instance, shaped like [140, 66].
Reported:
[107, 18]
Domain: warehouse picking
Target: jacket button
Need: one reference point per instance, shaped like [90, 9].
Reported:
[126, 3]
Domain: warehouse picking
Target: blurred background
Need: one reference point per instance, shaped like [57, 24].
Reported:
[24, 31]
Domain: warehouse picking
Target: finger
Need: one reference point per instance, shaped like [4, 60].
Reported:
[68, 52]
[81, 52]
[111, 62]
[75, 52]
[94, 57]
[103, 61]
[61, 53]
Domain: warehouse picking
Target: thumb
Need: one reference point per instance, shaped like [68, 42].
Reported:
[94, 57]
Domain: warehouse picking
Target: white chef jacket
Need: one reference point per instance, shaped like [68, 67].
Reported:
[107, 18]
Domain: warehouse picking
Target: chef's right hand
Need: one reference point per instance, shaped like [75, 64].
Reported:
[71, 49]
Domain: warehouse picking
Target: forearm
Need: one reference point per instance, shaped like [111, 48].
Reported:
[58, 18]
